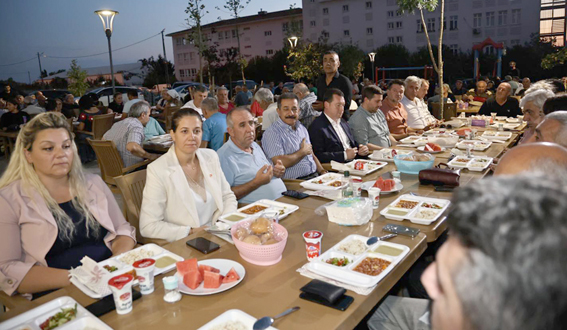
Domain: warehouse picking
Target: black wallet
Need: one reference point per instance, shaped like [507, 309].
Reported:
[326, 294]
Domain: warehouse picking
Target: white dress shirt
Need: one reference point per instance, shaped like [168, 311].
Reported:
[418, 115]
[341, 133]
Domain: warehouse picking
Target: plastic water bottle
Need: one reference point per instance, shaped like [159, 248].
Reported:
[347, 185]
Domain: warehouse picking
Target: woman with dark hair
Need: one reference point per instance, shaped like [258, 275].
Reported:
[185, 188]
[117, 104]
[53, 214]
[88, 105]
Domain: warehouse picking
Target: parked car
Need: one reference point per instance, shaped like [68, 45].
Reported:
[249, 83]
[105, 94]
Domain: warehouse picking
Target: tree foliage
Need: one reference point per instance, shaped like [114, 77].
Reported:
[77, 79]
[156, 70]
[305, 61]
[351, 58]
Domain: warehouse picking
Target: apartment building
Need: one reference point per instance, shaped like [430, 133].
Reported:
[260, 35]
[373, 23]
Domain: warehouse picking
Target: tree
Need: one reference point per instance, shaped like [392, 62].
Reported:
[305, 61]
[77, 79]
[235, 7]
[351, 58]
[156, 73]
[196, 11]
[429, 5]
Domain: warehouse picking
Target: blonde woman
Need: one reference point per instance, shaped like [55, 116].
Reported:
[185, 188]
[52, 213]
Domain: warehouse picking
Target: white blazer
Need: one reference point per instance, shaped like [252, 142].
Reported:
[168, 206]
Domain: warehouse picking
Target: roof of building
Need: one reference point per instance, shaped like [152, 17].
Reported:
[102, 70]
[262, 15]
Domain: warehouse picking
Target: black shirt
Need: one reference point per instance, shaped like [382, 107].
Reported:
[514, 72]
[116, 107]
[461, 91]
[65, 254]
[12, 121]
[509, 109]
[340, 82]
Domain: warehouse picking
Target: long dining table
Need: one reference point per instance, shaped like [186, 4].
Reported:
[268, 290]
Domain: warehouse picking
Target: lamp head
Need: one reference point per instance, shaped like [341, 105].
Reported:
[107, 18]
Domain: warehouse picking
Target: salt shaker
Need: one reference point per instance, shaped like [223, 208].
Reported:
[172, 294]
[396, 176]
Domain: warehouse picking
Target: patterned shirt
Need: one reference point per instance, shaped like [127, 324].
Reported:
[281, 139]
[123, 132]
[307, 113]
[369, 127]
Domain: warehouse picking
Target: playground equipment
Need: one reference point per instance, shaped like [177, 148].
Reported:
[499, 52]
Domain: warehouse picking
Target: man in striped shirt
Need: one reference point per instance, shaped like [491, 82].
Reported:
[287, 140]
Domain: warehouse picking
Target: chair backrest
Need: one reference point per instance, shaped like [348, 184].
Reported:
[108, 158]
[168, 114]
[101, 124]
[449, 110]
[132, 187]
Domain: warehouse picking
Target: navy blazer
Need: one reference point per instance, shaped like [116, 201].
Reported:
[326, 143]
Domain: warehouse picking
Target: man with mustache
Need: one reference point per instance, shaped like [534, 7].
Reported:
[287, 140]
[246, 168]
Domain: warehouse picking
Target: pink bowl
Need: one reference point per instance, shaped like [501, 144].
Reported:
[263, 255]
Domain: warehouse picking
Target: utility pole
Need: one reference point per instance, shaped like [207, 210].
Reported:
[29, 77]
[165, 59]
[40, 71]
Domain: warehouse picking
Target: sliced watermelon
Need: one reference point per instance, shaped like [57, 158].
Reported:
[184, 267]
[212, 280]
[231, 276]
[378, 183]
[389, 185]
[193, 279]
[203, 268]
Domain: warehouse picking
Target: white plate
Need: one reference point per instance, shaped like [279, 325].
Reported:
[232, 315]
[469, 165]
[386, 154]
[497, 135]
[346, 274]
[224, 265]
[370, 163]
[513, 120]
[422, 149]
[368, 184]
[33, 318]
[411, 213]
[326, 179]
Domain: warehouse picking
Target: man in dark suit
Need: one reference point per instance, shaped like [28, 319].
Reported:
[330, 134]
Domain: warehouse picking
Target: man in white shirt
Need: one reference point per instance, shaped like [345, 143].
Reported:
[419, 116]
[266, 100]
[132, 99]
[32, 109]
[199, 94]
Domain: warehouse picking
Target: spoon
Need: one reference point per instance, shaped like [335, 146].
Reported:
[267, 321]
[374, 239]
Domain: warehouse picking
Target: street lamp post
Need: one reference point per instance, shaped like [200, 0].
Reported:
[371, 55]
[107, 18]
[293, 41]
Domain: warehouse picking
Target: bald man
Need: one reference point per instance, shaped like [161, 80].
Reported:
[544, 157]
[553, 128]
[480, 93]
[501, 103]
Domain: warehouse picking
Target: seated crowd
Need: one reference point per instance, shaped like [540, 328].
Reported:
[55, 214]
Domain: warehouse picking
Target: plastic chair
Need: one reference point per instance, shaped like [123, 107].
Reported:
[132, 188]
[167, 115]
[110, 162]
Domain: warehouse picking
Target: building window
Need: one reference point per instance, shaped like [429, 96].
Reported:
[419, 26]
[390, 25]
[489, 50]
[325, 34]
[490, 19]
[246, 28]
[325, 11]
[285, 26]
[454, 49]
[267, 33]
[311, 1]
[514, 42]
[179, 57]
[399, 40]
[431, 25]
[399, 25]
[391, 40]
[269, 52]
[368, 4]
[191, 56]
[345, 8]
[453, 23]
[390, 13]
[178, 41]
[444, 23]
[502, 17]
[516, 15]
[220, 35]
[181, 73]
[477, 20]
[226, 34]
[313, 23]
[346, 33]
[369, 31]
[233, 34]
[247, 47]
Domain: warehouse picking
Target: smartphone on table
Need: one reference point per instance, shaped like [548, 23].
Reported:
[203, 245]
[295, 194]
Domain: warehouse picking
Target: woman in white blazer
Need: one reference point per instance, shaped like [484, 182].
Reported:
[185, 188]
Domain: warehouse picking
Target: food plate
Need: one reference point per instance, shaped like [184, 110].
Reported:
[386, 154]
[417, 209]
[422, 149]
[368, 184]
[232, 315]
[513, 120]
[347, 273]
[496, 135]
[476, 164]
[32, 319]
[329, 181]
[364, 167]
[476, 145]
[506, 126]
[165, 262]
[224, 265]
[263, 205]
[501, 118]
[417, 140]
